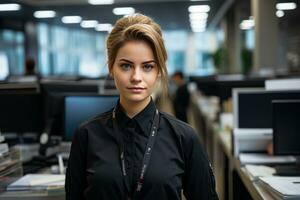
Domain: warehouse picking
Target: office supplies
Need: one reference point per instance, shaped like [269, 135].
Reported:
[37, 182]
[282, 187]
[261, 158]
[61, 164]
[256, 171]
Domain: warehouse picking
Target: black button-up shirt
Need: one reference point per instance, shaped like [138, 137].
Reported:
[177, 162]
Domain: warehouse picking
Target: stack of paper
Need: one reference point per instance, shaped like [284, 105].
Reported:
[256, 171]
[38, 182]
[260, 158]
[282, 187]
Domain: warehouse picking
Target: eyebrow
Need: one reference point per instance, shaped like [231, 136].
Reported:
[150, 61]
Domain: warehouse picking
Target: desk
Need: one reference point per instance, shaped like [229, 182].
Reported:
[34, 194]
[240, 185]
[232, 180]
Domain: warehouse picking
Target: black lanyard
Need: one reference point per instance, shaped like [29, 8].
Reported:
[148, 151]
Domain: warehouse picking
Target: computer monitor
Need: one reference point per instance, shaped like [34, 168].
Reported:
[253, 107]
[54, 94]
[286, 127]
[69, 86]
[21, 112]
[81, 108]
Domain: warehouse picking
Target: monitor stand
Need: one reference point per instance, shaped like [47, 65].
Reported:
[287, 170]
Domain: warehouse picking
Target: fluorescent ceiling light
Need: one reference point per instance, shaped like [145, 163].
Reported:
[71, 19]
[279, 13]
[198, 22]
[198, 25]
[89, 23]
[286, 6]
[199, 8]
[101, 2]
[198, 16]
[44, 14]
[10, 7]
[124, 11]
[103, 27]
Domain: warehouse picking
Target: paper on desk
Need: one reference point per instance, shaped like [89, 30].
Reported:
[286, 186]
[256, 171]
[32, 180]
[260, 158]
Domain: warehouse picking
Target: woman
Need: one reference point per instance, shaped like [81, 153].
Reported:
[134, 151]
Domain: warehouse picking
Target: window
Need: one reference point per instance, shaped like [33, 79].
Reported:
[12, 46]
[66, 51]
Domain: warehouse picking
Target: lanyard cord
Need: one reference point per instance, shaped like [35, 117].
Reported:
[148, 151]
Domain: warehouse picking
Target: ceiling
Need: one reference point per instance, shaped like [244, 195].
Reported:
[170, 14]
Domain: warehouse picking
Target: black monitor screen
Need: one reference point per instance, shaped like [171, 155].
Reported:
[53, 96]
[286, 127]
[21, 112]
[255, 108]
[81, 108]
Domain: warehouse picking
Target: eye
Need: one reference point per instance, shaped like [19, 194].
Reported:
[125, 66]
[148, 67]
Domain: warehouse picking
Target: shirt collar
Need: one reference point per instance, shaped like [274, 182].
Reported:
[144, 118]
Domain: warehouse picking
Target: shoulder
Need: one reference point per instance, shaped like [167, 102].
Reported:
[101, 119]
[98, 122]
[181, 128]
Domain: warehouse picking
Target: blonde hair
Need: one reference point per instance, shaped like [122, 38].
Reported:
[139, 27]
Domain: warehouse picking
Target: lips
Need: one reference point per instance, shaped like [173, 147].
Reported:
[136, 89]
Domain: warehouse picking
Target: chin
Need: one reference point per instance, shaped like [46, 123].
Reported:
[137, 98]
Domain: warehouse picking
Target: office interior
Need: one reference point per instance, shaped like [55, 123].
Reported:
[240, 58]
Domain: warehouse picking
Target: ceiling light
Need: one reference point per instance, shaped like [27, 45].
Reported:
[286, 6]
[103, 27]
[199, 8]
[89, 23]
[202, 21]
[10, 7]
[101, 2]
[198, 15]
[44, 14]
[71, 19]
[197, 25]
[279, 13]
[124, 11]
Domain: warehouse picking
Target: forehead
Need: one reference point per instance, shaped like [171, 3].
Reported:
[135, 50]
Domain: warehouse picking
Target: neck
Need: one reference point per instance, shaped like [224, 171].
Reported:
[132, 108]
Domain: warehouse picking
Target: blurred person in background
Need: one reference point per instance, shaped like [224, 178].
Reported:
[181, 97]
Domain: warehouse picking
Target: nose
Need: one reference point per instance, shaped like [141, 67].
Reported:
[136, 75]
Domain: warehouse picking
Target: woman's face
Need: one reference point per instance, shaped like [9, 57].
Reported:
[135, 72]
